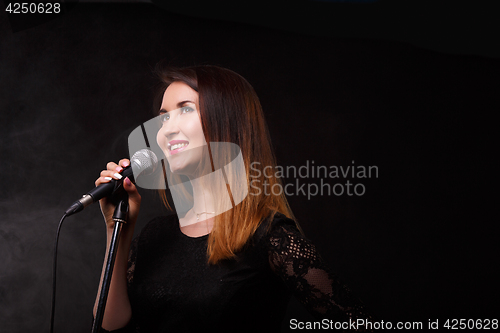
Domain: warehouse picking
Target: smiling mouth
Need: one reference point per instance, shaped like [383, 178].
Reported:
[177, 147]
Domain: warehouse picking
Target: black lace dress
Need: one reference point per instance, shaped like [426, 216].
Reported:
[173, 289]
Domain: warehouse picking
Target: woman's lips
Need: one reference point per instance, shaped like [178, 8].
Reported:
[174, 142]
[173, 152]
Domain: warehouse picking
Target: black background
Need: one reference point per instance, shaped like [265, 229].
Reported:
[411, 89]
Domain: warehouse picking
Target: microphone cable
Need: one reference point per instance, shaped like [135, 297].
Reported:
[54, 272]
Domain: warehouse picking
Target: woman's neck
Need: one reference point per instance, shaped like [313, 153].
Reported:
[201, 216]
[203, 200]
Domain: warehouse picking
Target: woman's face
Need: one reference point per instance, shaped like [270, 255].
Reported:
[181, 130]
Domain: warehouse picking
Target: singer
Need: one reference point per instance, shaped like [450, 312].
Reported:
[233, 259]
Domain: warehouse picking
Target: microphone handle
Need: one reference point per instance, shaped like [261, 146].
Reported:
[108, 189]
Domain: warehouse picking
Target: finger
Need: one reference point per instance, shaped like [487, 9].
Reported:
[111, 173]
[133, 194]
[106, 176]
[124, 162]
[134, 198]
[104, 179]
[114, 167]
[129, 186]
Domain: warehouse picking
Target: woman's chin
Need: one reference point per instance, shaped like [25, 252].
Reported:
[178, 170]
[184, 163]
[181, 170]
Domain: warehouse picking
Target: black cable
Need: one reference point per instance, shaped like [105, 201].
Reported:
[54, 271]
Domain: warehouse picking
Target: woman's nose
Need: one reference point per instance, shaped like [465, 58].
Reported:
[170, 127]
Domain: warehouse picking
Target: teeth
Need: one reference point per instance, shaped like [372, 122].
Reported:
[178, 145]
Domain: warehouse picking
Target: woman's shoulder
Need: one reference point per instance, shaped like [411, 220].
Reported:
[275, 224]
[279, 220]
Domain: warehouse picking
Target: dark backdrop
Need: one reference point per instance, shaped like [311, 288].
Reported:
[418, 245]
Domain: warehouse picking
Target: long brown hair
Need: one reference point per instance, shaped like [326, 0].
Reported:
[230, 111]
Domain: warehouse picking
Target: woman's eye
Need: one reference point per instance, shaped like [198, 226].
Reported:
[164, 117]
[186, 109]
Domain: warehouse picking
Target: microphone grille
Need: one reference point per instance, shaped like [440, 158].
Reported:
[144, 161]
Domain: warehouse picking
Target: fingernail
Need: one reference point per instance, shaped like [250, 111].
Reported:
[119, 168]
[128, 181]
[126, 163]
[117, 175]
[108, 178]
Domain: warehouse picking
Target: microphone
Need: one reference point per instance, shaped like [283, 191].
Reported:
[143, 162]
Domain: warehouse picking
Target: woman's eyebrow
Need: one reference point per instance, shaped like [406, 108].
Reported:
[184, 102]
[179, 105]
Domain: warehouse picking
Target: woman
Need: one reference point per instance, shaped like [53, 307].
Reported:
[230, 262]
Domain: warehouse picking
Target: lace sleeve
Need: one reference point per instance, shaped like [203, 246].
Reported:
[131, 261]
[295, 259]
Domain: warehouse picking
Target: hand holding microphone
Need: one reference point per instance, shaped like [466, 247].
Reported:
[112, 180]
[115, 173]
